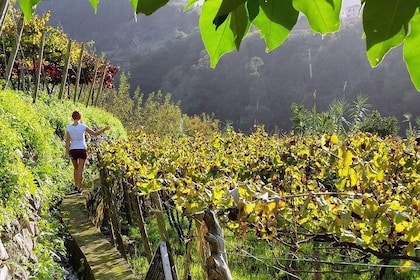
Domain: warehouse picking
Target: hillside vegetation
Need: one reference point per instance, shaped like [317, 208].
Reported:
[34, 178]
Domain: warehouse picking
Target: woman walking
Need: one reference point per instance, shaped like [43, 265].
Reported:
[76, 146]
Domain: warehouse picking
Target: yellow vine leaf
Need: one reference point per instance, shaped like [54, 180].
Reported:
[413, 235]
[367, 235]
[249, 208]
[406, 265]
[395, 205]
[354, 177]
[371, 207]
[334, 138]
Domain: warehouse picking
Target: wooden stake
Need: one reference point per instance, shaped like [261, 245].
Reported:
[39, 67]
[188, 254]
[65, 71]
[162, 228]
[15, 49]
[141, 225]
[101, 85]
[4, 8]
[79, 72]
[92, 87]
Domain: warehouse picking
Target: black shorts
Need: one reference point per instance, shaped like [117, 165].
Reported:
[78, 153]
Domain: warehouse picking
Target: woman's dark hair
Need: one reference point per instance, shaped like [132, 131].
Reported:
[76, 115]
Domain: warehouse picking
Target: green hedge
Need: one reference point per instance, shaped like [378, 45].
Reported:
[32, 148]
[32, 162]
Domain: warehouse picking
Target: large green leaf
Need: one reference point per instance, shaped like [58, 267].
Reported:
[28, 7]
[225, 8]
[323, 15]
[275, 20]
[253, 7]
[217, 41]
[94, 4]
[239, 24]
[189, 4]
[386, 24]
[134, 4]
[148, 7]
[411, 50]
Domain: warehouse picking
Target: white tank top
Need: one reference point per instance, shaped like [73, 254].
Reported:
[77, 136]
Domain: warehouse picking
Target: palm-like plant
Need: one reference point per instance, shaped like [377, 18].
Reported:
[337, 111]
[358, 111]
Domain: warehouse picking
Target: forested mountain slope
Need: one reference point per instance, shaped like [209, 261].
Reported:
[165, 51]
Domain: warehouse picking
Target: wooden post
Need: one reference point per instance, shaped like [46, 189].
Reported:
[107, 199]
[79, 72]
[101, 85]
[65, 71]
[216, 263]
[4, 8]
[117, 229]
[127, 201]
[161, 225]
[15, 49]
[159, 216]
[140, 221]
[39, 66]
[187, 260]
[201, 230]
[109, 208]
[92, 87]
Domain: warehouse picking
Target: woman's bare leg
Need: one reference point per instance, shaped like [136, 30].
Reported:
[75, 172]
[79, 175]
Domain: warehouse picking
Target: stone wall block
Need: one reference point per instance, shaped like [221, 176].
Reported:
[29, 244]
[3, 253]
[33, 228]
[15, 226]
[4, 273]
[20, 244]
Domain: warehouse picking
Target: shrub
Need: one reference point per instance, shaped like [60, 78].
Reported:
[377, 124]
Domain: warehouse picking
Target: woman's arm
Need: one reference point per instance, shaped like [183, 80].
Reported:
[97, 132]
[67, 143]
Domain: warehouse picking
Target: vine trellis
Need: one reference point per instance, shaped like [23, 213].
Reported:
[36, 55]
[360, 194]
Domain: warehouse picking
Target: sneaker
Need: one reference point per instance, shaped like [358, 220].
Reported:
[78, 191]
[73, 190]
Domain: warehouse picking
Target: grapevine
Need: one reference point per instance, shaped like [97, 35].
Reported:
[54, 54]
[359, 193]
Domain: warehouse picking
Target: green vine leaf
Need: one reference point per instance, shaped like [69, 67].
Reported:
[386, 25]
[189, 4]
[134, 4]
[148, 7]
[239, 24]
[94, 4]
[226, 7]
[217, 41]
[28, 7]
[410, 50]
[253, 8]
[275, 20]
[323, 15]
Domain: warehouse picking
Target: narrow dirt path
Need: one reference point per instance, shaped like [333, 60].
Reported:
[103, 259]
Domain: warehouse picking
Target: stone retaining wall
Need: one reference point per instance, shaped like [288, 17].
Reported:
[17, 242]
